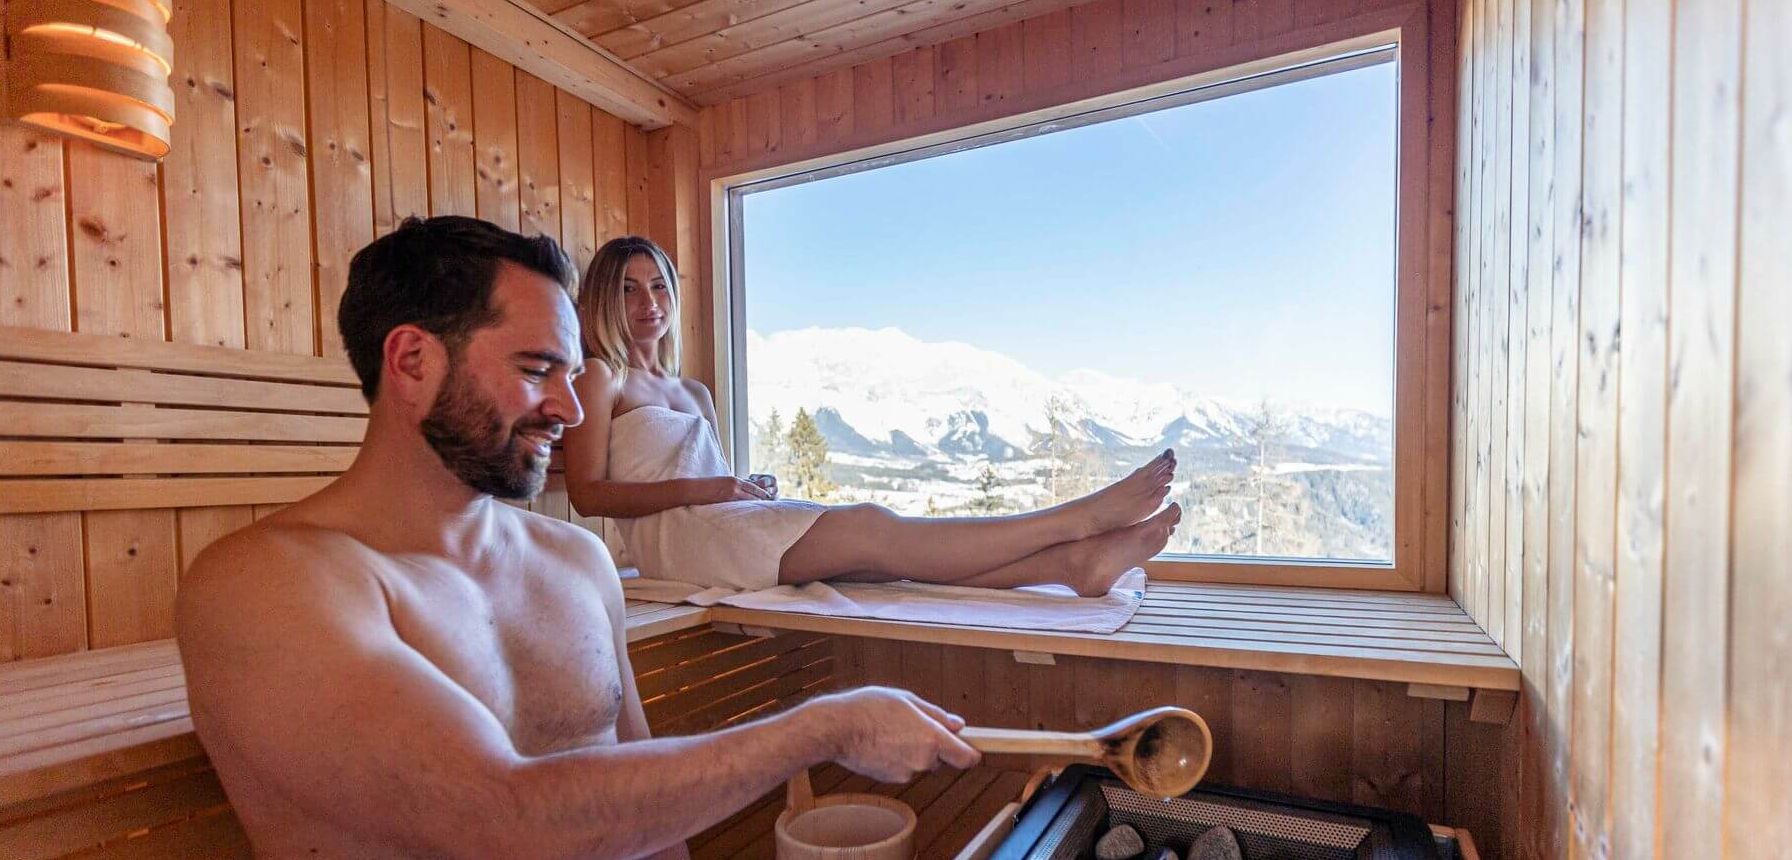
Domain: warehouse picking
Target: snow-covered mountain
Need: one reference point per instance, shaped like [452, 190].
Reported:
[884, 392]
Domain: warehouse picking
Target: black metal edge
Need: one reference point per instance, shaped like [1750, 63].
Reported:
[1043, 809]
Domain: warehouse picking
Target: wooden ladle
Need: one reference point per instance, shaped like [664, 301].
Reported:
[1162, 752]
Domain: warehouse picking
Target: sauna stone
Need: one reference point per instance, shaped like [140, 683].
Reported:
[1119, 843]
[1218, 843]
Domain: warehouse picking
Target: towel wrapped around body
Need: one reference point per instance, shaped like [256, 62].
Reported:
[730, 544]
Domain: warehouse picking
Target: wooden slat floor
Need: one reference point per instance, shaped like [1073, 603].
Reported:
[951, 806]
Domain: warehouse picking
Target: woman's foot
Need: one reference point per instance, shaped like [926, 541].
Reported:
[1097, 563]
[1127, 500]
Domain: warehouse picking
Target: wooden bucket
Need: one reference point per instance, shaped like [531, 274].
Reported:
[843, 826]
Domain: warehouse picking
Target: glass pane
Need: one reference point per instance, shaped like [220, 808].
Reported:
[1007, 327]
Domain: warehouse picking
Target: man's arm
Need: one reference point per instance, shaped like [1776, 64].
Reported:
[292, 660]
[631, 723]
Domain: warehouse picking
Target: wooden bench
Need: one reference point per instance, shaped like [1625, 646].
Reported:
[73, 721]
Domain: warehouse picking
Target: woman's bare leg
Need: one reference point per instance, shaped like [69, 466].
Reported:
[868, 539]
[1091, 566]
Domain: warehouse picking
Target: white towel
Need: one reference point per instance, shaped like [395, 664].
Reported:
[1034, 607]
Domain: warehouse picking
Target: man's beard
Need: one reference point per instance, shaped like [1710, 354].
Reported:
[466, 431]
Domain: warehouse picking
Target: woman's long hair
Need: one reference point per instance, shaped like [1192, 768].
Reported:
[603, 316]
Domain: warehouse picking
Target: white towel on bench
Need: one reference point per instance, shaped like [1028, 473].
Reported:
[1034, 607]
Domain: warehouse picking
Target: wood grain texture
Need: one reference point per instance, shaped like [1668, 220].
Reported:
[538, 156]
[34, 283]
[494, 140]
[202, 227]
[398, 117]
[336, 94]
[273, 173]
[115, 244]
[43, 607]
[448, 92]
[578, 186]
[132, 569]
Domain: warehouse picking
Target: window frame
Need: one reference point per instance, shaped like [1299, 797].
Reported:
[1421, 403]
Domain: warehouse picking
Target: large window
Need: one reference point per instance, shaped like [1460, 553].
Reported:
[1002, 322]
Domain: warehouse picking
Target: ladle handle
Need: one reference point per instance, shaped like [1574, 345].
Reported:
[1078, 744]
[799, 796]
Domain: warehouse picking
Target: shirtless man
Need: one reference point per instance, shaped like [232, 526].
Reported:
[403, 666]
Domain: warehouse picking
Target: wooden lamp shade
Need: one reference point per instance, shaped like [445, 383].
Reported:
[93, 69]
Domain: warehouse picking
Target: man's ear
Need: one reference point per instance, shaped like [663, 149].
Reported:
[413, 361]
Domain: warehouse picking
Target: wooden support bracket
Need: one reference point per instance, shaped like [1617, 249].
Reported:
[1446, 692]
[1493, 706]
[744, 630]
[1035, 658]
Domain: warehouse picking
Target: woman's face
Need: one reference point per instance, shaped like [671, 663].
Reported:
[645, 298]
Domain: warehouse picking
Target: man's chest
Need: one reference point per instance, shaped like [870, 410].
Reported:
[536, 649]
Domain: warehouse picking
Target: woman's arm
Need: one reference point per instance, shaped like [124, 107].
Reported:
[587, 450]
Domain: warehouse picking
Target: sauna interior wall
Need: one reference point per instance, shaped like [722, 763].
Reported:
[306, 129]
[1623, 414]
[1354, 741]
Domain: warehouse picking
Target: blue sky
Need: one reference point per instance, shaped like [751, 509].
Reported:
[1241, 247]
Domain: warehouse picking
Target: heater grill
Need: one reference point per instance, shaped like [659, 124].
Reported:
[1064, 819]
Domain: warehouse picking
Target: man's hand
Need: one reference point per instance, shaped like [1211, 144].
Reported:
[891, 735]
[768, 483]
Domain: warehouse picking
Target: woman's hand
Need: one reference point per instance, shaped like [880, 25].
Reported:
[769, 483]
[728, 488]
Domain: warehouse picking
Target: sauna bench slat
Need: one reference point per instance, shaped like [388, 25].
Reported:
[1384, 636]
[79, 719]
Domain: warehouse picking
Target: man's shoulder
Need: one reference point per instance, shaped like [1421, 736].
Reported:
[270, 569]
[570, 543]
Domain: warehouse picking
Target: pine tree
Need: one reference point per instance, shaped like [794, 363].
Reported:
[808, 457]
[771, 452]
[1075, 468]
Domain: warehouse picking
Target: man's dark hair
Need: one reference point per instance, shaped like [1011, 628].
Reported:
[436, 274]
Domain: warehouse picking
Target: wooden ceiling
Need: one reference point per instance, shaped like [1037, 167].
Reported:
[712, 50]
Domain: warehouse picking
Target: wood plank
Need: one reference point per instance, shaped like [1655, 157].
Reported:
[760, 42]
[578, 190]
[1563, 392]
[215, 834]
[1518, 336]
[1757, 821]
[448, 93]
[1490, 591]
[1262, 717]
[609, 160]
[1097, 39]
[873, 97]
[68, 421]
[972, 817]
[43, 605]
[796, 101]
[1702, 287]
[337, 109]
[88, 665]
[115, 243]
[1148, 32]
[532, 40]
[833, 106]
[955, 74]
[1461, 267]
[104, 458]
[1001, 65]
[640, 181]
[1202, 27]
[201, 224]
[96, 351]
[1045, 49]
[199, 528]
[1443, 80]
[494, 140]
[87, 825]
[119, 494]
[19, 379]
[397, 103]
[272, 153]
[538, 157]
[765, 123]
[912, 75]
[1596, 436]
[34, 285]
[1386, 755]
[132, 569]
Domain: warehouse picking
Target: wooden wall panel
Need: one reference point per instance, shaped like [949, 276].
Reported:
[202, 226]
[273, 172]
[538, 155]
[1655, 445]
[305, 126]
[448, 90]
[341, 177]
[396, 106]
[494, 140]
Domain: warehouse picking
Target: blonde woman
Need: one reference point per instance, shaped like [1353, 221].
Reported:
[648, 456]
